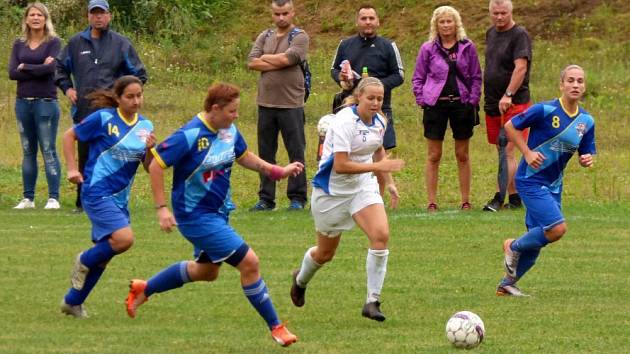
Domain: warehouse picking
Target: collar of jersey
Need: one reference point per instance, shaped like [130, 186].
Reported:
[124, 119]
[356, 112]
[571, 115]
[200, 116]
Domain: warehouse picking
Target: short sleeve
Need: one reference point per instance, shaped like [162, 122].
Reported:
[91, 127]
[171, 150]
[240, 146]
[342, 134]
[528, 118]
[522, 46]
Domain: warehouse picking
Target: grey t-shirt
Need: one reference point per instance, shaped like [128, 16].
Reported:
[283, 88]
[502, 49]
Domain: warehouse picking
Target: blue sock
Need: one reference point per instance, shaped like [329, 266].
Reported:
[77, 297]
[100, 253]
[526, 261]
[258, 296]
[531, 240]
[171, 277]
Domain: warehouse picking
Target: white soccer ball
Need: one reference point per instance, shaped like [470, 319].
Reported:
[324, 123]
[465, 330]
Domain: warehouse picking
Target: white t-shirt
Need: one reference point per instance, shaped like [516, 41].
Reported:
[348, 133]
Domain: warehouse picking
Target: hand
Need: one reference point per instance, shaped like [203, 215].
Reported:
[75, 177]
[49, 60]
[151, 140]
[534, 159]
[166, 219]
[586, 160]
[72, 95]
[393, 193]
[293, 169]
[387, 165]
[20, 67]
[504, 104]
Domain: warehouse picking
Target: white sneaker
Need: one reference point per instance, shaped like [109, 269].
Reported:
[25, 204]
[52, 204]
[79, 273]
[77, 311]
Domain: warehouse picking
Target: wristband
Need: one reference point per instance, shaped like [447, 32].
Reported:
[158, 207]
[276, 173]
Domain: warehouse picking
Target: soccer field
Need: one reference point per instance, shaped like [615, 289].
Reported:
[439, 264]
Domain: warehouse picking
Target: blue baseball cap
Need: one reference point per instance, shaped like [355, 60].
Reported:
[101, 4]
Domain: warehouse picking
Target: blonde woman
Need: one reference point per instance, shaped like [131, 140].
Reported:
[32, 65]
[346, 192]
[447, 85]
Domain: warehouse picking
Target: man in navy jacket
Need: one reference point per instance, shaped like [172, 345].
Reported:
[381, 58]
[92, 60]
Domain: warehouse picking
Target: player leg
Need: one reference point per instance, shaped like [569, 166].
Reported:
[372, 219]
[314, 258]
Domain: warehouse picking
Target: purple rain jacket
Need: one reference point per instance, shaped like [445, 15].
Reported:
[431, 73]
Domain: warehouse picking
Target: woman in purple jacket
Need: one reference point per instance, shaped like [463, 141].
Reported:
[32, 65]
[447, 85]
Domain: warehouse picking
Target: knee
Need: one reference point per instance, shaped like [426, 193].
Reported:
[434, 158]
[379, 239]
[556, 232]
[201, 272]
[122, 242]
[323, 256]
[461, 156]
[249, 265]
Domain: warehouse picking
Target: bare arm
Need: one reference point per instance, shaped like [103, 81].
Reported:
[518, 75]
[534, 159]
[69, 137]
[252, 162]
[148, 157]
[386, 179]
[343, 164]
[165, 217]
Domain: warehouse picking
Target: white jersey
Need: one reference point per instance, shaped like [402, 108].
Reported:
[348, 133]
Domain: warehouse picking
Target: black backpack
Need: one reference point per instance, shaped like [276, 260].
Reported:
[306, 70]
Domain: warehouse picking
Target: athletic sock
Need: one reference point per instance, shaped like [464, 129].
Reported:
[100, 253]
[308, 269]
[526, 261]
[77, 297]
[171, 277]
[258, 296]
[531, 240]
[376, 267]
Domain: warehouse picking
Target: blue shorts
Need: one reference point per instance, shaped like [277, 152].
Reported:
[105, 215]
[543, 207]
[213, 239]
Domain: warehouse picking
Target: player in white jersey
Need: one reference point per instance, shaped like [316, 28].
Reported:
[346, 191]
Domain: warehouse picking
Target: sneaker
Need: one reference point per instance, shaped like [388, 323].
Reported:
[514, 202]
[282, 335]
[77, 311]
[136, 288]
[261, 206]
[510, 290]
[295, 205]
[511, 258]
[493, 204]
[297, 292]
[52, 204]
[25, 204]
[372, 310]
[465, 206]
[432, 208]
[79, 273]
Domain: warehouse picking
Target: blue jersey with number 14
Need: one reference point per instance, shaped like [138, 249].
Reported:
[556, 134]
[117, 147]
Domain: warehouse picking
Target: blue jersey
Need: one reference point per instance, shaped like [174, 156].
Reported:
[557, 134]
[202, 158]
[117, 147]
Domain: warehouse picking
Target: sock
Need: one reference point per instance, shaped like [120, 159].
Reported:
[308, 269]
[376, 267]
[171, 277]
[531, 240]
[77, 297]
[258, 296]
[100, 253]
[526, 261]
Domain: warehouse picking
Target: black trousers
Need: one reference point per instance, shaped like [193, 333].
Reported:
[83, 110]
[289, 122]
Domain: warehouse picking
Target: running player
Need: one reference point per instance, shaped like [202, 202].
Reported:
[118, 138]
[202, 153]
[345, 192]
[558, 129]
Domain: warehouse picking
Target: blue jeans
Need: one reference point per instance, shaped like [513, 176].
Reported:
[37, 121]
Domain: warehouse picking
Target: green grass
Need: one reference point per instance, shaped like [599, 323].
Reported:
[439, 264]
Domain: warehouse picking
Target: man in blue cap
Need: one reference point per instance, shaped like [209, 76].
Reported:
[92, 60]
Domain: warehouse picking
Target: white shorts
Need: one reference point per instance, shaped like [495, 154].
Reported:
[333, 214]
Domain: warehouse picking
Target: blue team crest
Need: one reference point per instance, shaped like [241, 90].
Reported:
[580, 128]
